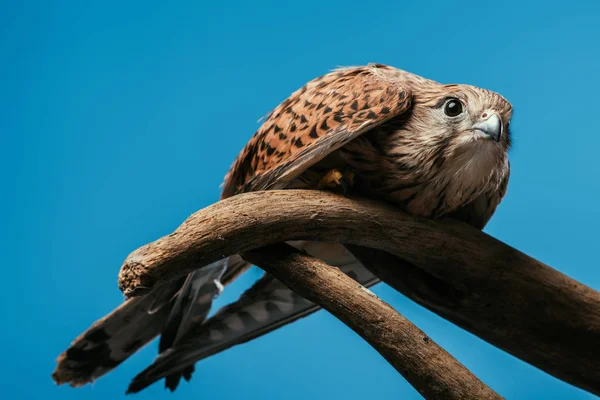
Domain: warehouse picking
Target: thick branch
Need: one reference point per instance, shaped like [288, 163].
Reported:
[481, 284]
[428, 367]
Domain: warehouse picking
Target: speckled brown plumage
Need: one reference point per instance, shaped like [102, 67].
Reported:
[391, 131]
[320, 117]
[386, 125]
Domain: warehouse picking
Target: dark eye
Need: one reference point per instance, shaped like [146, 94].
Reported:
[453, 108]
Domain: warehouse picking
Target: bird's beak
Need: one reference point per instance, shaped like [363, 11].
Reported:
[491, 127]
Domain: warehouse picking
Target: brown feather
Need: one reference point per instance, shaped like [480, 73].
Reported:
[314, 121]
[386, 125]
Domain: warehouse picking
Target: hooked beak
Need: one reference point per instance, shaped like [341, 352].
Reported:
[491, 127]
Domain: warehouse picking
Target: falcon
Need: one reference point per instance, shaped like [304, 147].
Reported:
[433, 150]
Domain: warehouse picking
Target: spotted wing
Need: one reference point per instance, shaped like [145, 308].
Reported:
[314, 121]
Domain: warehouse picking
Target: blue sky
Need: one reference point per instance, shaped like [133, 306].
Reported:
[119, 119]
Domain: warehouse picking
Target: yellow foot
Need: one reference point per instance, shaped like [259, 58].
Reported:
[335, 178]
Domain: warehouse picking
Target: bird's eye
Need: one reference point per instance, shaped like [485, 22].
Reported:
[453, 108]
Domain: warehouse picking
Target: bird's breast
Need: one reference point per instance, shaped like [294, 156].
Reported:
[424, 182]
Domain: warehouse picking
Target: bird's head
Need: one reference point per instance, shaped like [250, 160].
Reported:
[455, 137]
[460, 125]
[462, 115]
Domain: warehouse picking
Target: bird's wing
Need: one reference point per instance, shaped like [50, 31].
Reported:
[266, 306]
[313, 122]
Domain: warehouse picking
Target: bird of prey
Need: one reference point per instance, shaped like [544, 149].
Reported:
[431, 149]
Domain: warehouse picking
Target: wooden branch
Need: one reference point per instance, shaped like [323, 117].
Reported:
[426, 366]
[481, 284]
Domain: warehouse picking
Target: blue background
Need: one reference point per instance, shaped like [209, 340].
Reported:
[119, 119]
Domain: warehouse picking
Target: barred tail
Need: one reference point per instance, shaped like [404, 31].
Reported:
[266, 306]
[170, 311]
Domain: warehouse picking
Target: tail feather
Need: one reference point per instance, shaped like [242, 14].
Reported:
[235, 266]
[266, 306]
[112, 339]
[193, 305]
[233, 324]
[169, 311]
[164, 296]
[177, 312]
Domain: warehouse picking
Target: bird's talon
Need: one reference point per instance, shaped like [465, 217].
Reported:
[330, 180]
[334, 178]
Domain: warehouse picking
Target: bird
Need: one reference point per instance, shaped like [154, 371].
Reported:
[433, 150]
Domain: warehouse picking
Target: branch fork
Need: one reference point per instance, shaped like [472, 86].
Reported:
[464, 275]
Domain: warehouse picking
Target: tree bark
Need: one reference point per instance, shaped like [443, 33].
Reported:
[481, 284]
[426, 366]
